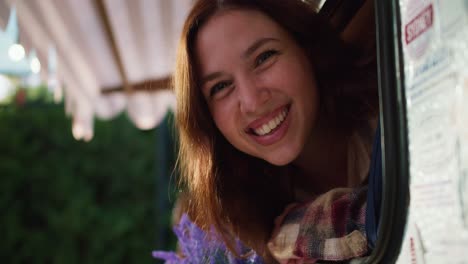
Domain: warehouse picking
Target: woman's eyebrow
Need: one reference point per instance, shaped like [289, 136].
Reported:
[210, 77]
[257, 44]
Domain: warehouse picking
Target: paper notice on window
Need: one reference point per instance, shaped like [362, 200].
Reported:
[435, 46]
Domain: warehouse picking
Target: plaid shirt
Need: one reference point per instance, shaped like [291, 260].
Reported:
[329, 227]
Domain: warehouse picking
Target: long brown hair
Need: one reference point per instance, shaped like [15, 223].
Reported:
[238, 194]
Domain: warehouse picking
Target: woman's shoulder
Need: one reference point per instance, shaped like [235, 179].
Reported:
[334, 235]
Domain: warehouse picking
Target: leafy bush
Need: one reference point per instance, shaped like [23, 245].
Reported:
[65, 201]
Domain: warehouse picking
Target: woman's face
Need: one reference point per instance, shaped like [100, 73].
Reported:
[258, 84]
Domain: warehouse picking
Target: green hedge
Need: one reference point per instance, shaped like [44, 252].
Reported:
[65, 201]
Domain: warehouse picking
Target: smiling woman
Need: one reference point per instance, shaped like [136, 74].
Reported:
[273, 109]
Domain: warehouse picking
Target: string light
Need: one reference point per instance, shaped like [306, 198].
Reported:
[16, 52]
[35, 65]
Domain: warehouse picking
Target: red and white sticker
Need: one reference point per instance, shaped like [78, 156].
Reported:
[418, 27]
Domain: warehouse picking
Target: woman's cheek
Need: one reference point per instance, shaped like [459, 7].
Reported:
[222, 114]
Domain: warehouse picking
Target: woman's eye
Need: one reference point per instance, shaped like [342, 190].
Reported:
[264, 57]
[218, 87]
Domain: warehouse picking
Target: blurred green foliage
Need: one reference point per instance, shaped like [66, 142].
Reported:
[67, 201]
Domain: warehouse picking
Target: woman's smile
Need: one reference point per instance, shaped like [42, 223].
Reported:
[270, 128]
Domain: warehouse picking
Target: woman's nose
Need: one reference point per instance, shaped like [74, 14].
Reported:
[252, 96]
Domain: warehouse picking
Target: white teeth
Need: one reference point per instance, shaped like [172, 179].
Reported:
[266, 128]
[272, 124]
[260, 131]
[277, 120]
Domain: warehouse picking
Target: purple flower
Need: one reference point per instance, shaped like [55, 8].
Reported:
[199, 247]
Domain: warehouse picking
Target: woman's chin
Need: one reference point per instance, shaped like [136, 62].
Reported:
[279, 160]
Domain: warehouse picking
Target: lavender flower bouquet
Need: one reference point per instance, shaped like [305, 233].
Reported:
[199, 247]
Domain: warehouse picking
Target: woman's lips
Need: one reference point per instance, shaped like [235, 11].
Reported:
[264, 120]
[271, 128]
